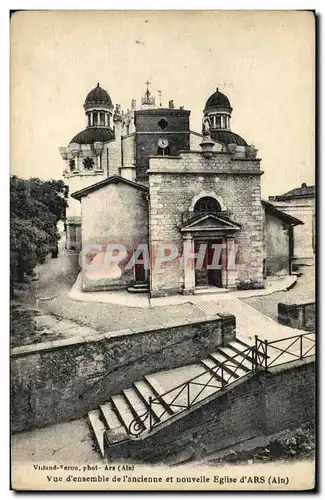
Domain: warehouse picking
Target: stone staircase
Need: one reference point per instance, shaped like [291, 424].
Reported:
[129, 405]
[139, 287]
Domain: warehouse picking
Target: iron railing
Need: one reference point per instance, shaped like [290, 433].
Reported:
[255, 359]
[277, 352]
[187, 394]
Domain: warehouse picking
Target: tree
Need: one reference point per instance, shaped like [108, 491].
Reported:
[33, 223]
[53, 194]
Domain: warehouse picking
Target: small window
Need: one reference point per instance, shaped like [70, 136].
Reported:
[163, 151]
[72, 164]
[88, 163]
[207, 204]
[162, 123]
[218, 121]
[94, 118]
[102, 119]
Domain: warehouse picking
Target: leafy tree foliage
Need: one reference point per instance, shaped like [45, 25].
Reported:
[53, 194]
[35, 208]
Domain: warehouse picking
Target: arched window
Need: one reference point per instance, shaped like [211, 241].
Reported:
[207, 204]
[163, 151]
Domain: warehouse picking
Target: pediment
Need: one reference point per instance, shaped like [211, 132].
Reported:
[211, 222]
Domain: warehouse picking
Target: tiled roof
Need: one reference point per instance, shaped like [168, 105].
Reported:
[303, 191]
[289, 219]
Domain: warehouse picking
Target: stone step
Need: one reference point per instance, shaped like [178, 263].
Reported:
[110, 416]
[236, 360]
[159, 390]
[219, 358]
[238, 341]
[210, 364]
[98, 428]
[230, 371]
[198, 388]
[140, 284]
[134, 401]
[144, 391]
[203, 386]
[203, 290]
[131, 289]
[123, 410]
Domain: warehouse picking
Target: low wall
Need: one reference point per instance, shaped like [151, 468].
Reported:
[264, 404]
[58, 381]
[301, 316]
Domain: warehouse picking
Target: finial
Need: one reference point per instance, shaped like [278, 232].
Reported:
[97, 84]
[217, 89]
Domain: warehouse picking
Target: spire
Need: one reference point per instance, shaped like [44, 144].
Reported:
[147, 100]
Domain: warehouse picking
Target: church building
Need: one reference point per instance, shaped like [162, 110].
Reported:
[176, 211]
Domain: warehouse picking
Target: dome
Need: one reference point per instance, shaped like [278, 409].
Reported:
[227, 137]
[98, 96]
[91, 135]
[218, 100]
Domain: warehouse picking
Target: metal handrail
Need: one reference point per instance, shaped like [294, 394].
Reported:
[265, 345]
[292, 337]
[137, 426]
[260, 362]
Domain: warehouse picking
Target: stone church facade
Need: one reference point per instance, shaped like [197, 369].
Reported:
[143, 182]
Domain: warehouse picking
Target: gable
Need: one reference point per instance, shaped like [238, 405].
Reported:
[211, 222]
[114, 179]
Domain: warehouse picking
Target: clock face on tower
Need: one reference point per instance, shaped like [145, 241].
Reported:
[163, 143]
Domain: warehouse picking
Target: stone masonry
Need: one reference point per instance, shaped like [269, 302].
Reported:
[175, 181]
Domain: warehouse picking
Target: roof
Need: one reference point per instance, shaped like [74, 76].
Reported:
[114, 179]
[288, 219]
[98, 96]
[303, 191]
[94, 134]
[227, 137]
[218, 100]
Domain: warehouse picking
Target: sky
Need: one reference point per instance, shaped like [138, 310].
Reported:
[262, 60]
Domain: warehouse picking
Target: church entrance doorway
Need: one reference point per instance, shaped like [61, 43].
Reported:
[206, 274]
[140, 270]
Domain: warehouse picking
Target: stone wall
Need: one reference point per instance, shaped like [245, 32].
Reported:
[114, 214]
[115, 151]
[301, 316]
[128, 150]
[260, 405]
[302, 209]
[276, 245]
[61, 380]
[174, 182]
[148, 132]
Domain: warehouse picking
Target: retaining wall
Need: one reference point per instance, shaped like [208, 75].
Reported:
[301, 316]
[59, 381]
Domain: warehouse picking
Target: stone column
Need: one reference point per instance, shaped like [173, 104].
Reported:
[231, 262]
[188, 263]
[224, 263]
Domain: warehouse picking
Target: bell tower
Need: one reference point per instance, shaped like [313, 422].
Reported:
[86, 158]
